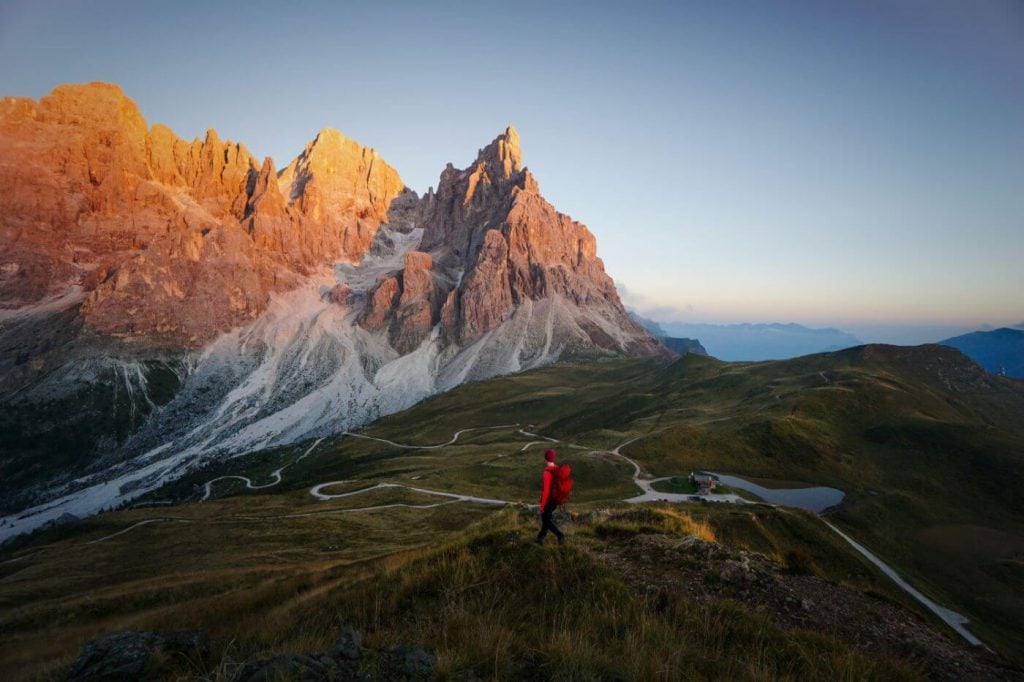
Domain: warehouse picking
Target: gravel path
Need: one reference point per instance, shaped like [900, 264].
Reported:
[955, 620]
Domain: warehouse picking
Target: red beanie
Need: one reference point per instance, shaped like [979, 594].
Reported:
[550, 455]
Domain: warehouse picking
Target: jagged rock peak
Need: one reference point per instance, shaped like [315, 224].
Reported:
[345, 190]
[94, 87]
[265, 190]
[268, 169]
[503, 156]
[329, 136]
[97, 104]
[198, 233]
[329, 140]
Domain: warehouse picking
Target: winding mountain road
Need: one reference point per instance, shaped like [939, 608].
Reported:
[955, 620]
[276, 475]
[316, 491]
[134, 526]
[429, 447]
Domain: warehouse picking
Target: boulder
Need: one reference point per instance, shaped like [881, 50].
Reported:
[379, 306]
[299, 667]
[418, 308]
[415, 663]
[339, 294]
[349, 644]
[130, 656]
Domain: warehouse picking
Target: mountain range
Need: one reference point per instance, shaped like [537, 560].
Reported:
[752, 342]
[196, 343]
[675, 344]
[164, 301]
[1000, 351]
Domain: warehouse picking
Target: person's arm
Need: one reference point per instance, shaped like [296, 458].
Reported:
[545, 488]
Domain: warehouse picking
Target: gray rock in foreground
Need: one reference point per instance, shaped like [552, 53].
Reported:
[129, 655]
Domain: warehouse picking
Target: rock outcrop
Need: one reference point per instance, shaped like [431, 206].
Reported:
[176, 241]
[491, 243]
[407, 303]
[378, 310]
[418, 307]
[343, 191]
[135, 655]
[490, 222]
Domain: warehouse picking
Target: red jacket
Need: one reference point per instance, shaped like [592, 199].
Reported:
[547, 478]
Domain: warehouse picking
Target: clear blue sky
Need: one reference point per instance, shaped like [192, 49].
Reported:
[846, 163]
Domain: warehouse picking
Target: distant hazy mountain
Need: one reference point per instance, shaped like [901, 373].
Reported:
[1000, 351]
[683, 346]
[648, 324]
[762, 341]
[676, 344]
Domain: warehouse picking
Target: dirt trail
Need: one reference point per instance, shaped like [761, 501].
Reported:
[134, 526]
[429, 447]
[315, 491]
[948, 616]
[955, 620]
[276, 475]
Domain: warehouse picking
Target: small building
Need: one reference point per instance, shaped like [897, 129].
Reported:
[706, 482]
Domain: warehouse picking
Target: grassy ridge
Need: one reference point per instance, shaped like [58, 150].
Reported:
[928, 449]
[459, 579]
[508, 611]
[230, 566]
[920, 439]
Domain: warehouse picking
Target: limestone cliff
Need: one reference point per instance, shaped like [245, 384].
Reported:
[164, 302]
[175, 242]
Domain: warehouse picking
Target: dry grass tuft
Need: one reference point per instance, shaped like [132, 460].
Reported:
[681, 522]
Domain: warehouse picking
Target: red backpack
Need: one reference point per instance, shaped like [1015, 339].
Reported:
[561, 483]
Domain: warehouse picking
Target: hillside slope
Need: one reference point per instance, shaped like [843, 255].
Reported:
[1000, 351]
[927, 447]
[637, 594]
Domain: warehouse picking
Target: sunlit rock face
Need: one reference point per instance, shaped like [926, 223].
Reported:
[492, 223]
[175, 241]
[342, 191]
[190, 301]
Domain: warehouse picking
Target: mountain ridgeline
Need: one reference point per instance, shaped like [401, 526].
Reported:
[165, 301]
[757, 342]
[1000, 351]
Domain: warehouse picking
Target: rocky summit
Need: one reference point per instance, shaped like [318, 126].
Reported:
[169, 241]
[164, 302]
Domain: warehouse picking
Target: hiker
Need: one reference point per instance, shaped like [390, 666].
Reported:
[555, 487]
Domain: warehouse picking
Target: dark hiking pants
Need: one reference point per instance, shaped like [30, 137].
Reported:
[547, 523]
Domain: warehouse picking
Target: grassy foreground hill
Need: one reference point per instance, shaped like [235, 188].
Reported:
[929, 449]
